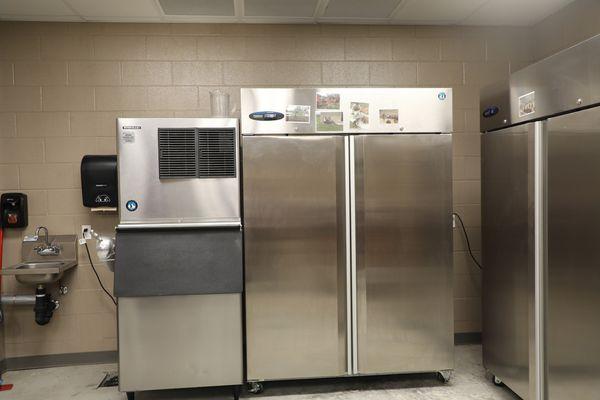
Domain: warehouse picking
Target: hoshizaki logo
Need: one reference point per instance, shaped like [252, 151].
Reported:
[131, 205]
[131, 127]
[442, 95]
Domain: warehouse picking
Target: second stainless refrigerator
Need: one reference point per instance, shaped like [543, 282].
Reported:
[347, 197]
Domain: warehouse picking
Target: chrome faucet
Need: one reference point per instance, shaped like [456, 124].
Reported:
[46, 249]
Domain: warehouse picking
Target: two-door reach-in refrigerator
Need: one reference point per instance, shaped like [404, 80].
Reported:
[541, 227]
[347, 209]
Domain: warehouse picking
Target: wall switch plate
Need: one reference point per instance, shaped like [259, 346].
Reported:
[86, 232]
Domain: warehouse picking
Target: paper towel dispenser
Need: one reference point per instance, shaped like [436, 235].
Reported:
[99, 181]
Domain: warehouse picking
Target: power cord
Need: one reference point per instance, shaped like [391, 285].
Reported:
[467, 240]
[98, 276]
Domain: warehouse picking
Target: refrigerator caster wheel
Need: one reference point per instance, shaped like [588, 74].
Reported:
[130, 395]
[444, 376]
[497, 381]
[255, 387]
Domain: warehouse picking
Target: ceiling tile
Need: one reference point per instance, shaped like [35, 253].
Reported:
[515, 12]
[114, 8]
[198, 7]
[437, 11]
[34, 7]
[280, 8]
[360, 8]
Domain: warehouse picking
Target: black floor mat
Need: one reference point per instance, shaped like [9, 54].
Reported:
[110, 379]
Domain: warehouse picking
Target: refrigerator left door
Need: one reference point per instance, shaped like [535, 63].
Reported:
[295, 256]
[403, 236]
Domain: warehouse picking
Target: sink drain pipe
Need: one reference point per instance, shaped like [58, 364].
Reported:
[18, 300]
[44, 306]
[42, 302]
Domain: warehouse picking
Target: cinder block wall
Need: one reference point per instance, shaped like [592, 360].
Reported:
[577, 21]
[63, 84]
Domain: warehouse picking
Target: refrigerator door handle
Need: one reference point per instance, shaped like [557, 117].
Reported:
[353, 272]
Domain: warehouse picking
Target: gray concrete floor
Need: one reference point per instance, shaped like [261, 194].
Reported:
[78, 383]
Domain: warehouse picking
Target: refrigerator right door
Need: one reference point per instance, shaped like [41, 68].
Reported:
[403, 201]
[574, 256]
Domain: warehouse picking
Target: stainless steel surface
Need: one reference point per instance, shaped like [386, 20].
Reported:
[508, 254]
[573, 349]
[419, 109]
[182, 225]
[180, 341]
[300, 216]
[170, 201]
[560, 329]
[495, 98]
[41, 268]
[540, 194]
[18, 299]
[348, 193]
[563, 284]
[563, 82]
[38, 273]
[404, 253]
[294, 222]
[351, 179]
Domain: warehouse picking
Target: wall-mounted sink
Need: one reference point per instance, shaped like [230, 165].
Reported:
[37, 273]
[45, 259]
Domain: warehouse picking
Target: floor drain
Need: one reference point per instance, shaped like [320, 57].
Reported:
[110, 379]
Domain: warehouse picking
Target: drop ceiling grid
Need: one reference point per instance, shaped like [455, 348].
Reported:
[380, 12]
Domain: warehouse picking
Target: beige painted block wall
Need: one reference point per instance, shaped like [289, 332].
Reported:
[63, 84]
[577, 21]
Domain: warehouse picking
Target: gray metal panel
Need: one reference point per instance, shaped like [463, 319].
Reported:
[563, 82]
[295, 257]
[404, 253]
[419, 109]
[178, 262]
[495, 96]
[574, 259]
[180, 341]
[194, 200]
[2, 351]
[507, 254]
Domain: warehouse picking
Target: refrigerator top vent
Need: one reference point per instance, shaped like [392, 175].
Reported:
[196, 153]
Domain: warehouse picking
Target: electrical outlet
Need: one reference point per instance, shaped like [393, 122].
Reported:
[86, 232]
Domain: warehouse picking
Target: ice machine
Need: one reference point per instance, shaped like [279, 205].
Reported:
[178, 264]
[541, 227]
[348, 232]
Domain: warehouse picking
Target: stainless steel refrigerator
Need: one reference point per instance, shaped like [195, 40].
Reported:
[541, 227]
[347, 202]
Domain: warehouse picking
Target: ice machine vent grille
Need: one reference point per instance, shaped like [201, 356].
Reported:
[177, 153]
[196, 153]
[216, 153]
